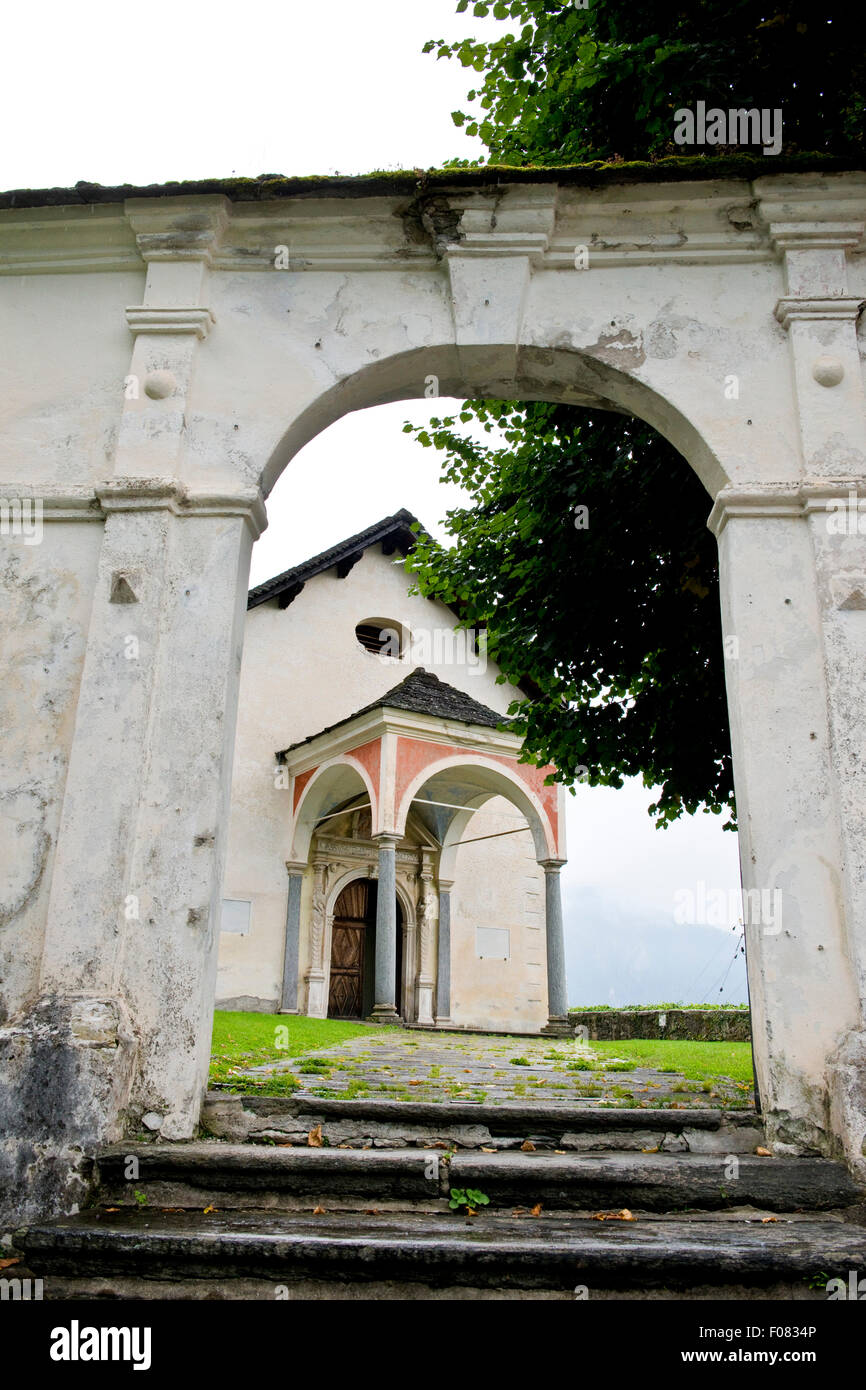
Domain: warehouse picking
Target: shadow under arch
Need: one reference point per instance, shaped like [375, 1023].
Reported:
[331, 787]
[561, 375]
[482, 779]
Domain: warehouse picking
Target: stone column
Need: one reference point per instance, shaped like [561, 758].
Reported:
[289, 997]
[557, 994]
[443, 966]
[384, 1006]
[427, 927]
[317, 1001]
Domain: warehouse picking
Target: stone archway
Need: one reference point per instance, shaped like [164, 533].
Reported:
[149, 454]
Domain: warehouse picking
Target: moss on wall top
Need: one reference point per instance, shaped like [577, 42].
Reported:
[402, 182]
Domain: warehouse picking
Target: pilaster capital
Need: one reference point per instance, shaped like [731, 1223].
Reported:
[790, 500]
[177, 319]
[818, 309]
[133, 494]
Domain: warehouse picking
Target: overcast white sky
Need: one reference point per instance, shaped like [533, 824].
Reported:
[113, 93]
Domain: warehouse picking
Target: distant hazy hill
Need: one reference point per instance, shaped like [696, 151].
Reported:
[615, 958]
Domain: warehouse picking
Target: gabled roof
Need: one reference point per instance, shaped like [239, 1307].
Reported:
[392, 532]
[421, 693]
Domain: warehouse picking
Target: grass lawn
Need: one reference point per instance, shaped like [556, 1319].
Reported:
[249, 1039]
[694, 1060]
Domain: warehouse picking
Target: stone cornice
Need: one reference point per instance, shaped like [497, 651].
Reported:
[167, 229]
[379, 722]
[699, 220]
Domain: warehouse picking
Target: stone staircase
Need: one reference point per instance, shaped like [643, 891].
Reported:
[307, 1198]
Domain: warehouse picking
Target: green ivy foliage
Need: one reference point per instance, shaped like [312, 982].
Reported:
[608, 616]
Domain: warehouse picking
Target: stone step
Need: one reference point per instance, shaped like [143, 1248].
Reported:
[656, 1182]
[395, 1124]
[147, 1254]
[254, 1176]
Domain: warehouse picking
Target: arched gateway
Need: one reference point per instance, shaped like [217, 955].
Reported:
[159, 371]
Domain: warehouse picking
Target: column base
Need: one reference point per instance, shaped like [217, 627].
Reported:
[443, 1022]
[558, 1026]
[386, 1013]
[295, 1012]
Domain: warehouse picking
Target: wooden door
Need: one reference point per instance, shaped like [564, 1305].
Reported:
[351, 918]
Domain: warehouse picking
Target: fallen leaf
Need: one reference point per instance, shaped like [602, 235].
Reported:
[4, 1264]
[536, 1210]
[371, 1211]
[112, 1208]
[650, 1151]
[314, 1138]
[287, 1144]
[319, 1211]
[624, 1215]
[765, 1220]
[519, 1211]
[209, 1209]
[764, 1153]
[560, 1151]
[528, 1147]
[416, 1083]
[487, 1151]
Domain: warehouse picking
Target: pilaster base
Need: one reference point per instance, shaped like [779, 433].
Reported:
[425, 1005]
[317, 1004]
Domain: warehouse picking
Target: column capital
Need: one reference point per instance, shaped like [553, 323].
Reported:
[387, 840]
[295, 866]
[552, 866]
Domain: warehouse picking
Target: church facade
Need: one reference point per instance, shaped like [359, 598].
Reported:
[389, 856]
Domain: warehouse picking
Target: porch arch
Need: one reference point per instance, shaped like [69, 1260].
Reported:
[330, 787]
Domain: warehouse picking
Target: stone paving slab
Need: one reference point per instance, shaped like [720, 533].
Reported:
[493, 1069]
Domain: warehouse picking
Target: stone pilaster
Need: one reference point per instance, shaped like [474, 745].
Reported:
[443, 963]
[317, 1002]
[289, 995]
